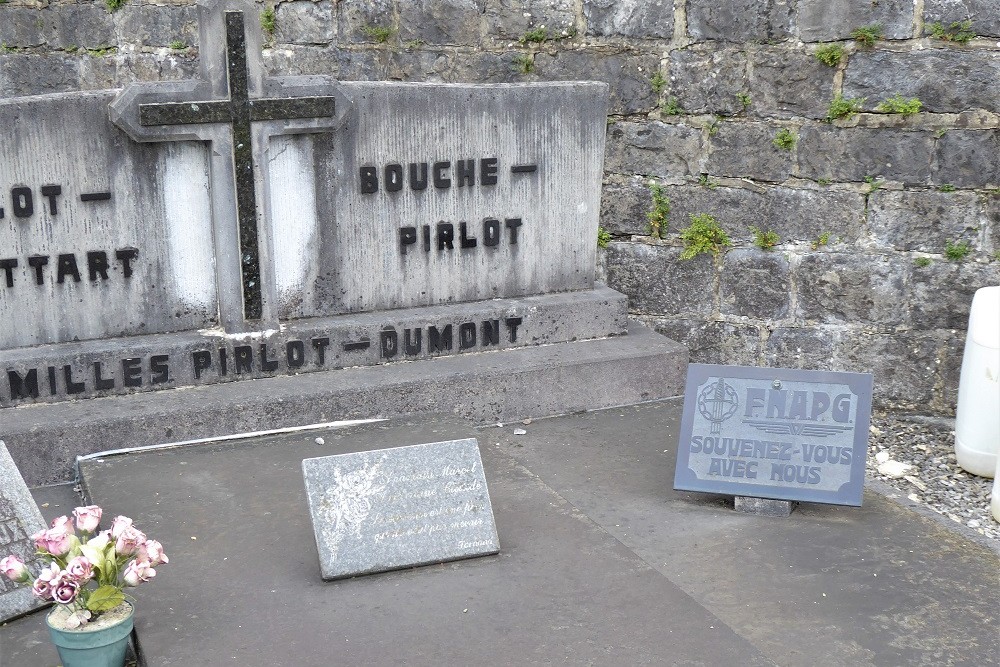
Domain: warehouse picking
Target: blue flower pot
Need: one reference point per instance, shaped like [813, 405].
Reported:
[105, 647]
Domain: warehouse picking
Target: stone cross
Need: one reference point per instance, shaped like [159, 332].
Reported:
[237, 109]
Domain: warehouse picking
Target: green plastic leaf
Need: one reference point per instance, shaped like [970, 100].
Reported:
[105, 598]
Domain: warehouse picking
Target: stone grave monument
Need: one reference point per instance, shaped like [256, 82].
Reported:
[304, 233]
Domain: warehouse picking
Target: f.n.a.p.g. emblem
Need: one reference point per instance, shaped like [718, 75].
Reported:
[717, 402]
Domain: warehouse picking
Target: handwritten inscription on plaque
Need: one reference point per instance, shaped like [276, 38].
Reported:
[394, 508]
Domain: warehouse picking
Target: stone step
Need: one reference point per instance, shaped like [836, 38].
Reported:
[45, 439]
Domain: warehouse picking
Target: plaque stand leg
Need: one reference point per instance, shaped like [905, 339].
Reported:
[764, 506]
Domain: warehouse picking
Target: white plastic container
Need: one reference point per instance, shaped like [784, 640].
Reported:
[977, 415]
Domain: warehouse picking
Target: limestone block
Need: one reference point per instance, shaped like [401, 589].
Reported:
[151, 25]
[827, 20]
[756, 284]
[712, 342]
[967, 158]
[354, 17]
[794, 214]
[903, 364]
[924, 221]
[657, 281]
[851, 154]
[984, 14]
[305, 23]
[738, 20]
[81, 25]
[627, 75]
[29, 74]
[511, 19]
[23, 27]
[140, 66]
[802, 347]
[851, 288]
[441, 21]
[630, 18]
[745, 150]
[708, 80]
[941, 292]
[944, 80]
[654, 148]
[625, 201]
[789, 83]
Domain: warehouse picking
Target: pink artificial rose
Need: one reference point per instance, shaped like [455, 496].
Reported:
[58, 542]
[14, 569]
[64, 589]
[119, 524]
[80, 569]
[39, 539]
[151, 551]
[136, 572]
[87, 518]
[129, 541]
[42, 588]
[63, 524]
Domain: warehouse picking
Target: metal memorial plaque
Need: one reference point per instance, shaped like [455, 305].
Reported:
[395, 508]
[19, 519]
[775, 433]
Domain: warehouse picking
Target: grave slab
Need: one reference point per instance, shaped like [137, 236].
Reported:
[602, 563]
[560, 591]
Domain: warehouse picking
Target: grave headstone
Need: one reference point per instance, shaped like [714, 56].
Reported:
[241, 226]
[19, 519]
[394, 508]
[774, 433]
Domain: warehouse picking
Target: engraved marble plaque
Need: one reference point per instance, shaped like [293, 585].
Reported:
[395, 508]
[19, 518]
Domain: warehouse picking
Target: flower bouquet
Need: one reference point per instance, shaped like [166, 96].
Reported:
[84, 572]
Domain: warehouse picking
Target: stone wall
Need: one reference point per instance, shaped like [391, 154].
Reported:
[864, 207]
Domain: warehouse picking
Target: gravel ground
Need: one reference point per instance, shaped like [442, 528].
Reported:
[933, 477]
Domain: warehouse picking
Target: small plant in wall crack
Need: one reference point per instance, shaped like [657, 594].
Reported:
[867, 35]
[535, 36]
[764, 239]
[830, 54]
[922, 262]
[268, 22]
[844, 107]
[524, 63]
[744, 100]
[603, 237]
[671, 107]
[947, 187]
[785, 139]
[658, 215]
[703, 235]
[379, 33]
[874, 183]
[820, 241]
[113, 5]
[900, 105]
[960, 32]
[657, 82]
[957, 250]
